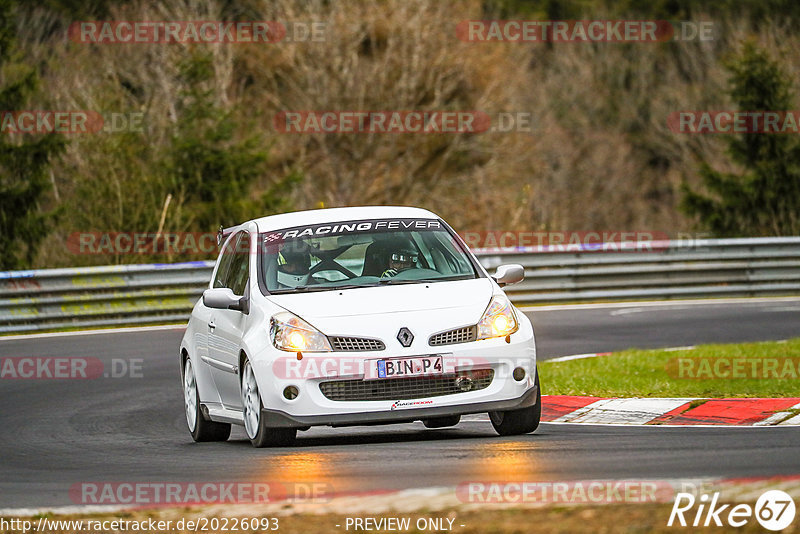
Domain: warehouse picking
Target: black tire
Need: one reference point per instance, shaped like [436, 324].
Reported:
[274, 437]
[441, 422]
[203, 430]
[522, 421]
[264, 436]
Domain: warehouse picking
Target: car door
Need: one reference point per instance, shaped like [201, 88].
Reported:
[226, 327]
[202, 322]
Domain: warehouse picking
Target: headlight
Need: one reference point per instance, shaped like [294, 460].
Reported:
[498, 320]
[289, 332]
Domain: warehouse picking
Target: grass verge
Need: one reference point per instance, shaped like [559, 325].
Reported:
[765, 369]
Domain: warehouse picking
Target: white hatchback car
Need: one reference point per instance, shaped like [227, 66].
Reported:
[354, 316]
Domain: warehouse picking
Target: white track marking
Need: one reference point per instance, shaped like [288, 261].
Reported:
[577, 357]
[794, 421]
[778, 416]
[596, 354]
[95, 332]
[775, 418]
[626, 311]
[658, 303]
[637, 411]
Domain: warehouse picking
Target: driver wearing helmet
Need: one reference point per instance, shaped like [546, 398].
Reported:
[403, 257]
[294, 261]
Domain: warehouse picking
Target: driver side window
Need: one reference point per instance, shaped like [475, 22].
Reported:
[228, 252]
[239, 271]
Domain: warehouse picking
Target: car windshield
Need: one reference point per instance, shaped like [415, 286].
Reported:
[363, 253]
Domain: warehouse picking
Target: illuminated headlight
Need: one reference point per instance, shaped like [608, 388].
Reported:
[498, 320]
[289, 332]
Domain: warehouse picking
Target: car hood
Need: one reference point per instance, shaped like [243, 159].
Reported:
[380, 311]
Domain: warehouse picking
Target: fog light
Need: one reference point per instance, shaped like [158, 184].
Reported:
[464, 383]
[290, 393]
[519, 374]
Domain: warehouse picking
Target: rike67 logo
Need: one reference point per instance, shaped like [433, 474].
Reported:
[774, 510]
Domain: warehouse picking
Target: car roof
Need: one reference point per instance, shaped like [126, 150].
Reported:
[328, 215]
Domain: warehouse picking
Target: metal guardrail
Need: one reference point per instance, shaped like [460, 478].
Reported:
[657, 270]
[163, 293]
[100, 296]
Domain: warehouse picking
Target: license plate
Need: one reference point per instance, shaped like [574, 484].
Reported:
[407, 367]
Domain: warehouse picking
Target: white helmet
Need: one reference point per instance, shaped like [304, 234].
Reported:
[294, 261]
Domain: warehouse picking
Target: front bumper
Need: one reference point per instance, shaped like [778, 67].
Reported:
[276, 370]
[281, 419]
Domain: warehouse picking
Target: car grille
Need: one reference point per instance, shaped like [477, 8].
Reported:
[451, 337]
[405, 388]
[356, 344]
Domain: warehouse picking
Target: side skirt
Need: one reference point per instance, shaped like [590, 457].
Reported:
[221, 414]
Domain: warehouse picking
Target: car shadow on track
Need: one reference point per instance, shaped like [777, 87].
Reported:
[365, 435]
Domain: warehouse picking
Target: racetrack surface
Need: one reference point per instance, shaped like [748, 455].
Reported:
[56, 433]
[579, 329]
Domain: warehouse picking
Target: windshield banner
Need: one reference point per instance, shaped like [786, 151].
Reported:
[352, 227]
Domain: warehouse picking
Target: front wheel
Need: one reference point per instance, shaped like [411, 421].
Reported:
[522, 421]
[201, 429]
[260, 435]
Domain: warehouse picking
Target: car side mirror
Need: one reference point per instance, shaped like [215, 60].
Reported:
[509, 274]
[222, 298]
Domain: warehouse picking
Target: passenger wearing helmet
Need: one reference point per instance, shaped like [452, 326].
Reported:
[294, 261]
[403, 257]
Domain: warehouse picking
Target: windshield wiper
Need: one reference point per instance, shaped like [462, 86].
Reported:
[313, 289]
[391, 281]
[381, 282]
[351, 286]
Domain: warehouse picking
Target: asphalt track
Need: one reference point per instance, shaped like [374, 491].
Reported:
[56, 433]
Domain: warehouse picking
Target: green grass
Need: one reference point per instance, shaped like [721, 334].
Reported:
[655, 373]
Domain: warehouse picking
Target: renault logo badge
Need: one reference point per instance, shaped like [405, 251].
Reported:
[405, 337]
